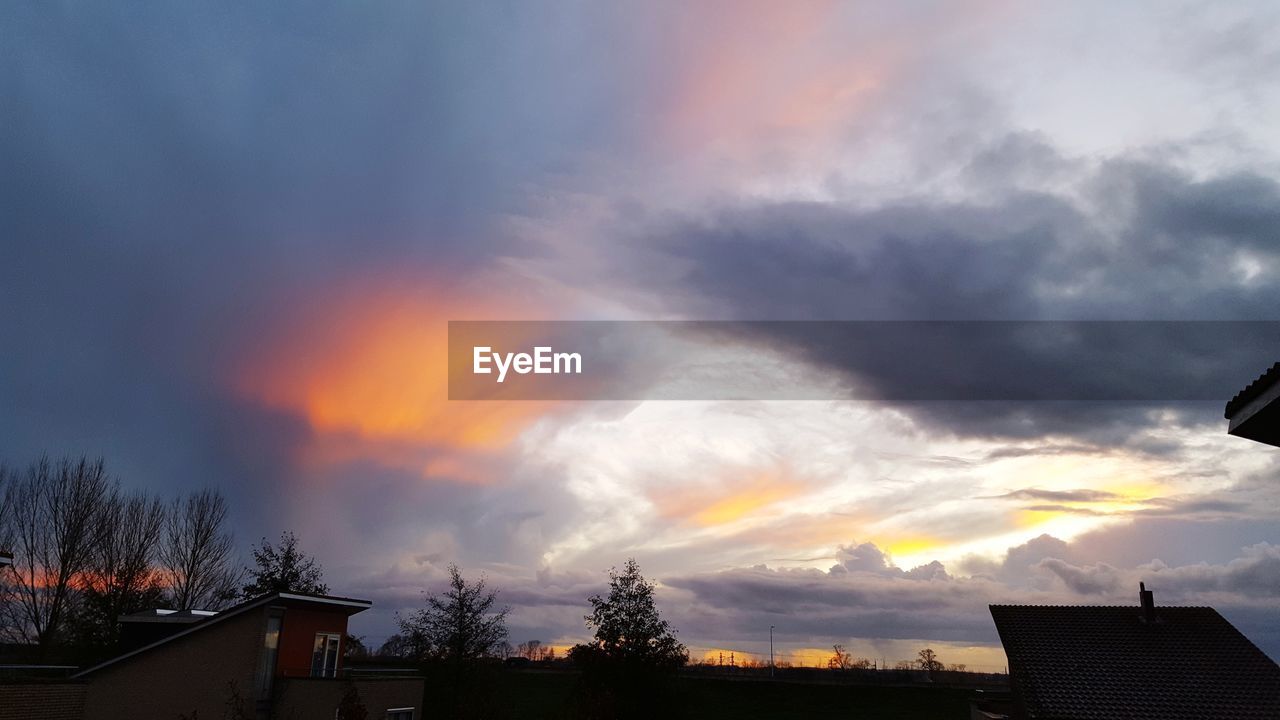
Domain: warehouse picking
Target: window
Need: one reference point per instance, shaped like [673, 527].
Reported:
[270, 650]
[324, 655]
[400, 713]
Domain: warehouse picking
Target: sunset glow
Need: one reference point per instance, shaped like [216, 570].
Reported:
[908, 309]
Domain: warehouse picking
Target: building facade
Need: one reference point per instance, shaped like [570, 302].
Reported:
[276, 656]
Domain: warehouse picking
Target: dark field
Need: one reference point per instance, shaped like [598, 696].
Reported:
[546, 694]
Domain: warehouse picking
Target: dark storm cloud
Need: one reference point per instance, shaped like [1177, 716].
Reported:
[1131, 241]
[178, 176]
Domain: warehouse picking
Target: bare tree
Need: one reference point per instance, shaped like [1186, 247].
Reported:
[120, 577]
[197, 554]
[53, 512]
[10, 609]
[530, 649]
[928, 660]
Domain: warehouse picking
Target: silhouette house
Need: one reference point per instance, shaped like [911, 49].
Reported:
[277, 655]
[1254, 412]
[1137, 663]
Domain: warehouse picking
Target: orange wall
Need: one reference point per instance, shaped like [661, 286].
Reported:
[298, 636]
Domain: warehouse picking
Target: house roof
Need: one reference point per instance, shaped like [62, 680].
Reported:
[1073, 663]
[161, 615]
[1252, 390]
[350, 606]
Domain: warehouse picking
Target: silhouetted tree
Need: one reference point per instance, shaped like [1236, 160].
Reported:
[928, 660]
[842, 660]
[456, 630]
[53, 518]
[197, 553]
[120, 577]
[460, 625]
[628, 628]
[353, 647]
[627, 665]
[396, 646]
[283, 568]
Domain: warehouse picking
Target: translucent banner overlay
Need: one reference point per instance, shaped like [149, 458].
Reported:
[908, 361]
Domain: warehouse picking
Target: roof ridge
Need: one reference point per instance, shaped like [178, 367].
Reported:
[1252, 390]
[1132, 607]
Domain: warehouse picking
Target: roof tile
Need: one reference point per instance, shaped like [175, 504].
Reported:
[1085, 662]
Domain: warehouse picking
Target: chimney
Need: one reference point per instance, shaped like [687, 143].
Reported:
[1148, 603]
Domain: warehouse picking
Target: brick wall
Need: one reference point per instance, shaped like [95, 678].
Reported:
[199, 673]
[318, 698]
[41, 701]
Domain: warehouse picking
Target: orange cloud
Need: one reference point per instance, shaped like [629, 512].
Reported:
[727, 502]
[768, 82]
[367, 370]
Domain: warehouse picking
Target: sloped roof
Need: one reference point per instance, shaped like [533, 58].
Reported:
[166, 616]
[1252, 390]
[350, 606]
[1085, 662]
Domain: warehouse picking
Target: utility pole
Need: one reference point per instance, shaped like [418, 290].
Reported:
[770, 651]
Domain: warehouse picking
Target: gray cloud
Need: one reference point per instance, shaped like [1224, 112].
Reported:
[1150, 242]
[1083, 495]
[864, 597]
[1090, 580]
[867, 558]
[1204, 506]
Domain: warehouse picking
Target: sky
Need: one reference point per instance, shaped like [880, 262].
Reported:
[232, 237]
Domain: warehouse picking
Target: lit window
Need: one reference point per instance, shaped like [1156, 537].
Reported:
[400, 714]
[324, 655]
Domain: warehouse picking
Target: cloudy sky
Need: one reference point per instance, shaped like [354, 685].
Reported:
[232, 237]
